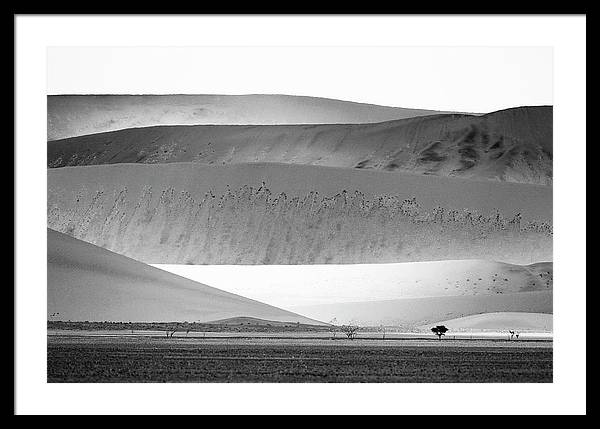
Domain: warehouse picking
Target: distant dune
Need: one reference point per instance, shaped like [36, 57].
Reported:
[512, 145]
[290, 214]
[86, 282]
[537, 322]
[254, 322]
[75, 115]
[287, 286]
[415, 312]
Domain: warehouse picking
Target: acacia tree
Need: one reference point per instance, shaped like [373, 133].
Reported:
[439, 331]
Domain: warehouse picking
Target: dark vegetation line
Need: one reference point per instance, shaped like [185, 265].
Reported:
[254, 226]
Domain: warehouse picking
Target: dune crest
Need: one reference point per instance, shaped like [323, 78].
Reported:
[75, 115]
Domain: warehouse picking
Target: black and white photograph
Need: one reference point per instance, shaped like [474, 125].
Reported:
[295, 215]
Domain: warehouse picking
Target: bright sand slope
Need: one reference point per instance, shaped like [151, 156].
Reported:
[86, 282]
[414, 312]
[537, 322]
[407, 294]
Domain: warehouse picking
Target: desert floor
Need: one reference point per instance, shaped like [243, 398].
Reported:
[315, 357]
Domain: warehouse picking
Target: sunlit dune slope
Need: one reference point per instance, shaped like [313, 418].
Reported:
[292, 285]
[415, 312]
[507, 321]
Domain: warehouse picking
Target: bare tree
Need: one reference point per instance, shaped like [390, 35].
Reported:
[170, 330]
[333, 326]
[350, 331]
[382, 329]
[439, 331]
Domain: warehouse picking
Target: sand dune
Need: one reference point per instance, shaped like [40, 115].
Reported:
[75, 115]
[290, 214]
[511, 145]
[538, 322]
[86, 282]
[252, 321]
[412, 313]
[293, 285]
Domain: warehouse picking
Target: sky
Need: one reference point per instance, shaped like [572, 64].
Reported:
[467, 79]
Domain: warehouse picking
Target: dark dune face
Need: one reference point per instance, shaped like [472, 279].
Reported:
[195, 214]
[86, 282]
[76, 115]
[512, 145]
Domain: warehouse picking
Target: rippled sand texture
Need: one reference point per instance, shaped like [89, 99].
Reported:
[170, 214]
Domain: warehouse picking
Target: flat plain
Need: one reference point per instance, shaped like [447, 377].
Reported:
[120, 358]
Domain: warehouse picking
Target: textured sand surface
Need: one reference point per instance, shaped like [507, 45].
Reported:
[512, 145]
[292, 285]
[75, 115]
[415, 312]
[538, 322]
[290, 214]
[86, 282]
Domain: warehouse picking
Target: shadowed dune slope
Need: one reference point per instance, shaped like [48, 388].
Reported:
[290, 214]
[510, 145]
[86, 282]
[75, 115]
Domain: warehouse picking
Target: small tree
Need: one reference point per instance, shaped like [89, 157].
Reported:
[439, 331]
[333, 326]
[350, 331]
[382, 329]
[512, 334]
[171, 330]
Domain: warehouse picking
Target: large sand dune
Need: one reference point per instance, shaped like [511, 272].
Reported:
[290, 214]
[510, 145]
[537, 322]
[415, 312]
[86, 282]
[75, 115]
[293, 285]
